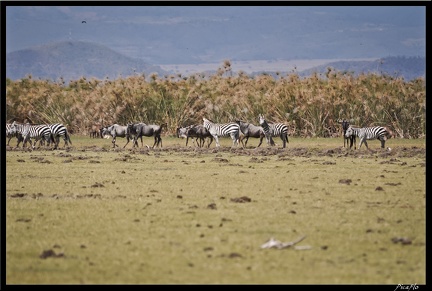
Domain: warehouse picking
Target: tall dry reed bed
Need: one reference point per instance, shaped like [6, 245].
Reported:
[310, 106]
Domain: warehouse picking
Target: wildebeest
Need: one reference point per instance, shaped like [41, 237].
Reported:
[95, 130]
[198, 131]
[250, 130]
[115, 131]
[138, 130]
[352, 138]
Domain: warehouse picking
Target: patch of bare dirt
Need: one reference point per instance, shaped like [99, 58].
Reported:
[281, 153]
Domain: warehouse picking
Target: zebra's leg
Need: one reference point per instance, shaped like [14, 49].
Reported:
[235, 139]
[217, 140]
[362, 140]
[365, 142]
[383, 140]
[283, 140]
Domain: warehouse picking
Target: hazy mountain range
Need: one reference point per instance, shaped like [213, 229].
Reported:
[165, 35]
[72, 60]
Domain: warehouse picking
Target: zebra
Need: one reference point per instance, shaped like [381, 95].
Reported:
[42, 132]
[352, 138]
[274, 129]
[216, 130]
[365, 133]
[57, 130]
[10, 135]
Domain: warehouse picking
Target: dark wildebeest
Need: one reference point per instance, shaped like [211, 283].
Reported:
[115, 131]
[138, 130]
[351, 138]
[198, 131]
[250, 130]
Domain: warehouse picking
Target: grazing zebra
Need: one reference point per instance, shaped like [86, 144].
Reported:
[11, 135]
[365, 133]
[352, 138]
[58, 130]
[37, 132]
[232, 129]
[274, 129]
[250, 130]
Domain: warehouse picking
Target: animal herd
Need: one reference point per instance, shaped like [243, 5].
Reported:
[238, 130]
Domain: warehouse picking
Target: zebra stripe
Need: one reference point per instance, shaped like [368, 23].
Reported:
[57, 130]
[37, 132]
[10, 135]
[273, 130]
[367, 133]
[232, 129]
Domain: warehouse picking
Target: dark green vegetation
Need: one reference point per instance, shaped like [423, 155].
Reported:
[91, 214]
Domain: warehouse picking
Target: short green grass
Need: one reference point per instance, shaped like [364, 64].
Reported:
[169, 216]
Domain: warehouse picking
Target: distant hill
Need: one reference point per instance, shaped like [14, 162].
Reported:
[73, 60]
[407, 67]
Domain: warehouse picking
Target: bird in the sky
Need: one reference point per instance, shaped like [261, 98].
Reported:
[83, 21]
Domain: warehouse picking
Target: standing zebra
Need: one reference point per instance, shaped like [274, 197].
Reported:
[274, 129]
[58, 130]
[365, 133]
[232, 129]
[37, 132]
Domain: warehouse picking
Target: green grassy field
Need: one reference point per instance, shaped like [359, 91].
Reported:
[181, 215]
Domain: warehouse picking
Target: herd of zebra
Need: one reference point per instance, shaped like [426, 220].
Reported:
[25, 132]
[239, 131]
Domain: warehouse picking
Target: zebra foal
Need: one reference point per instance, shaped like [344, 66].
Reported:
[232, 129]
[368, 133]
